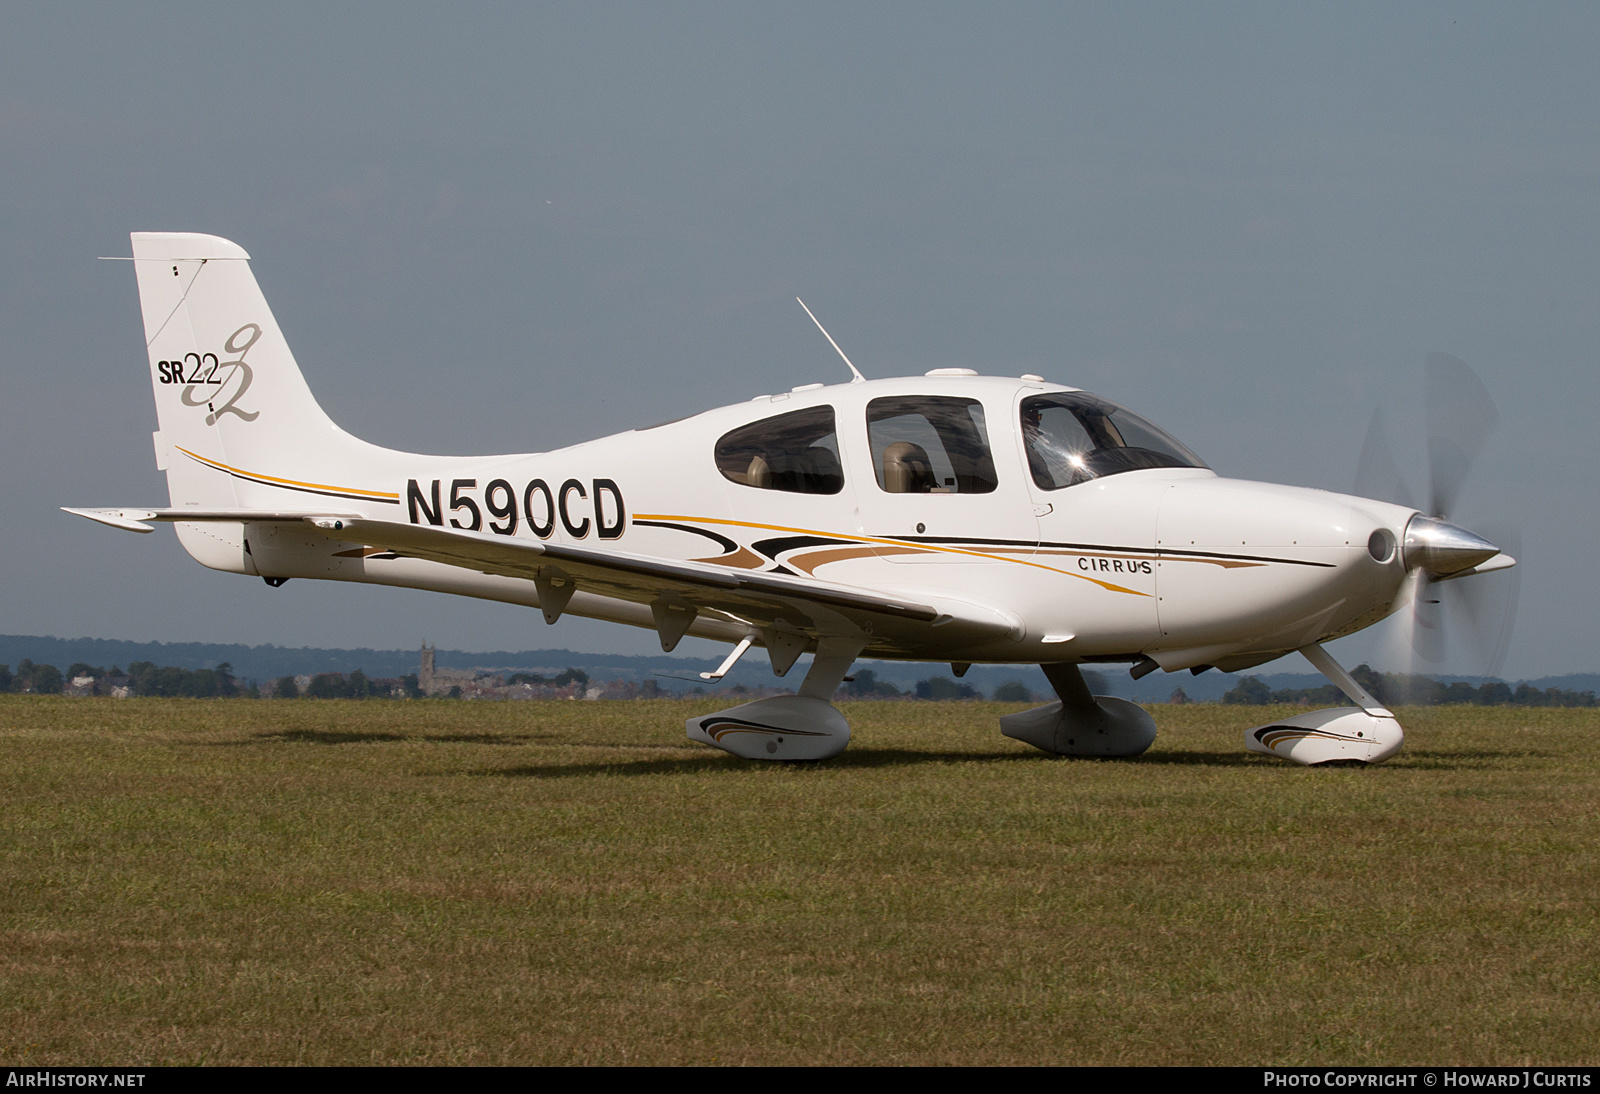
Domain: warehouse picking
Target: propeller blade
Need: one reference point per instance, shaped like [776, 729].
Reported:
[1377, 474]
[1460, 416]
[1427, 623]
[1488, 603]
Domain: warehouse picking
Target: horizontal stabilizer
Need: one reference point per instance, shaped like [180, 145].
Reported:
[132, 520]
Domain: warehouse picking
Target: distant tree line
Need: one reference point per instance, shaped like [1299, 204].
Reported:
[559, 680]
[864, 684]
[141, 678]
[356, 685]
[145, 678]
[1399, 688]
[37, 679]
[339, 685]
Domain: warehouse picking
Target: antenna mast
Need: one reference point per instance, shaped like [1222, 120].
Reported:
[859, 379]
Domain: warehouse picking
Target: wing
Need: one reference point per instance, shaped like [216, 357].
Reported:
[764, 601]
[676, 590]
[641, 578]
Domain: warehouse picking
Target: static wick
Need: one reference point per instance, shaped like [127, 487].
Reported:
[859, 379]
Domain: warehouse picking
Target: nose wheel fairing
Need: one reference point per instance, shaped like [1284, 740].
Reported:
[1336, 735]
[1368, 733]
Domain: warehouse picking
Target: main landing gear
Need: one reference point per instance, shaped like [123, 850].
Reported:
[787, 727]
[1080, 724]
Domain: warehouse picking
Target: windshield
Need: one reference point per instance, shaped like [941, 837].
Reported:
[1072, 437]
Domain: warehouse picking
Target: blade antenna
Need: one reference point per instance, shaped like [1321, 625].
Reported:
[859, 379]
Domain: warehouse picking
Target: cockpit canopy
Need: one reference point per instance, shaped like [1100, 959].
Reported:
[939, 444]
[1072, 437]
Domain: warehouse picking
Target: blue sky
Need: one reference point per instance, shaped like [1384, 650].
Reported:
[514, 227]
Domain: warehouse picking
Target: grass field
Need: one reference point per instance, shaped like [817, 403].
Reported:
[225, 882]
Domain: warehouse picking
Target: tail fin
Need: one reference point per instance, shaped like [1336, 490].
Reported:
[228, 392]
[239, 426]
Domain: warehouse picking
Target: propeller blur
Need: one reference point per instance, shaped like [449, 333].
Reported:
[1458, 418]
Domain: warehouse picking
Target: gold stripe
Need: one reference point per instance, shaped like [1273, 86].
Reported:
[742, 559]
[810, 560]
[891, 543]
[1273, 739]
[285, 482]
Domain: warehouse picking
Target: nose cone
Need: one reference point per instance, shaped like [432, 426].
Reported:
[1443, 549]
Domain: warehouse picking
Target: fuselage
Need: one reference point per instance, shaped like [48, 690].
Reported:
[932, 488]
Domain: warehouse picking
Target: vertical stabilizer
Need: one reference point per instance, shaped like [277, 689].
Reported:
[238, 425]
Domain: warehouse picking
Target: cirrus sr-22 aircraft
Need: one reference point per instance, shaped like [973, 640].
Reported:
[950, 517]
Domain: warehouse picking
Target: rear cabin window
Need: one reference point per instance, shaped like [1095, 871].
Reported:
[796, 452]
[927, 444]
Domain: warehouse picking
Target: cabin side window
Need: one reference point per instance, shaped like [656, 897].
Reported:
[796, 452]
[927, 444]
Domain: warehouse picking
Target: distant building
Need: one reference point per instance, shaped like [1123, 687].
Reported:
[436, 681]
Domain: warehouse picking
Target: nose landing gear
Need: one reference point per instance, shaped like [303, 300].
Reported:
[1369, 735]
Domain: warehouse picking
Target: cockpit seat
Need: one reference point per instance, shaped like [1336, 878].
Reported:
[907, 469]
[820, 471]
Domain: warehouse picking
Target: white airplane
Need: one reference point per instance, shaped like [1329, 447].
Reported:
[949, 517]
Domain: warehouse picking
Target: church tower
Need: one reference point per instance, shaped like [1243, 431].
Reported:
[425, 670]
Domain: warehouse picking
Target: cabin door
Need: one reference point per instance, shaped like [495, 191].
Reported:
[940, 491]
